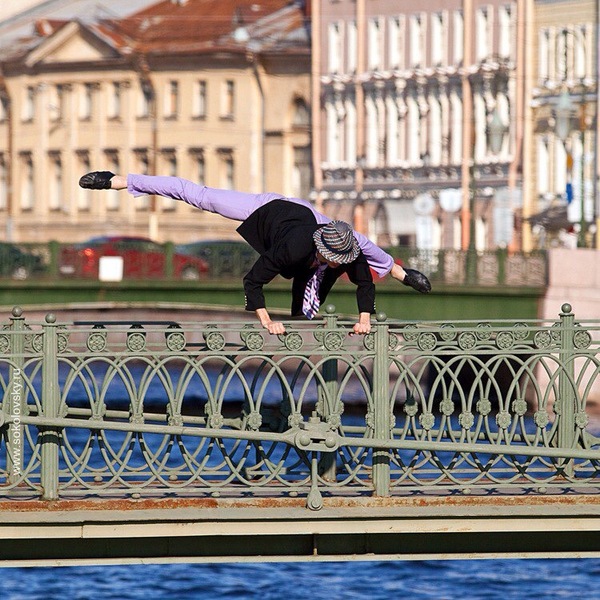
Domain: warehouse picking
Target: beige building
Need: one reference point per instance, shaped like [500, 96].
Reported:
[424, 133]
[219, 98]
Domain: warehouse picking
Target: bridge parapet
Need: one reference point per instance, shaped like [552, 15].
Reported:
[150, 408]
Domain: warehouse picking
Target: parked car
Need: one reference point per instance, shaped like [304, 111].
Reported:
[142, 258]
[18, 263]
[225, 257]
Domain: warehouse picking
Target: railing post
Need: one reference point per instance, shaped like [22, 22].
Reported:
[50, 436]
[327, 395]
[14, 404]
[565, 405]
[381, 406]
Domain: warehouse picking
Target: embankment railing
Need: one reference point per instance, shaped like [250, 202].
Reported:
[154, 408]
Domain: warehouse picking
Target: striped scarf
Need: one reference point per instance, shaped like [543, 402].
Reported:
[310, 306]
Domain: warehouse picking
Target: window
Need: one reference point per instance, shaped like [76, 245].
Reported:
[55, 197]
[543, 160]
[226, 168]
[334, 41]
[172, 100]
[86, 106]
[350, 133]
[27, 182]
[142, 159]
[301, 183]
[438, 39]
[84, 196]
[374, 40]
[112, 197]
[199, 164]
[3, 108]
[456, 120]
[28, 107]
[352, 41]
[114, 104]
[506, 34]
[301, 114]
[544, 55]
[396, 42]
[483, 33]
[416, 41]
[56, 104]
[458, 37]
[199, 100]
[170, 158]
[145, 99]
[228, 100]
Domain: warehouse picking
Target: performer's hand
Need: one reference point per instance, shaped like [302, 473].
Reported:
[272, 327]
[96, 180]
[363, 326]
[275, 327]
[416, 280]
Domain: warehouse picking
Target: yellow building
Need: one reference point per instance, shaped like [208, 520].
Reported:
[220, 98]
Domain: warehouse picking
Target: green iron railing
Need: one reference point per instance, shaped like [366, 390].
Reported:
[231, 260]
[119, 409]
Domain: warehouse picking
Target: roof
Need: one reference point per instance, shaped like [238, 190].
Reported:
[188, 27]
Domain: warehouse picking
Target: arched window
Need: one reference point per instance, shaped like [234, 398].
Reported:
[301, 116]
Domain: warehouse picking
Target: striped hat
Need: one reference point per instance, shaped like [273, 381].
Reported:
[336, 242]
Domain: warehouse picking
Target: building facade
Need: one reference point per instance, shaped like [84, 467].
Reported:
[563, 159]
[221, 99]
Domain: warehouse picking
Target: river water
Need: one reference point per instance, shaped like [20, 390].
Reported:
[577, 579]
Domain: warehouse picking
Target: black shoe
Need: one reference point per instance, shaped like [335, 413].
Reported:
[416, 280]
[96, 180]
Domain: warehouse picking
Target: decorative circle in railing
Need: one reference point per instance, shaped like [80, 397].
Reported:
[334, 421]
[448, 332]
[521, 331]
[582, 339]
[505, 340]
[254, 341]
[466, 420]
[446, 407]
[37, 343]
[427, 421]
[136, 341]
[581, 419]
[369, 341]
[541, 418]
[96, 341]
[370, 420]
[175, 338]
[542, 339]
[215, 421]
[484, 407]
[467, 340]
[293, 341]
[427, 342]
[333, 340]
[555, 332]
[254, 420]
[4, 343]
[214, 340]
[503, 419]
[411, 408]
[484, 331]
[319, 333]
[62, 340]
[519, 407]
[410, 333]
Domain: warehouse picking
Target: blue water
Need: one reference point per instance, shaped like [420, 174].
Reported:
[440, 580]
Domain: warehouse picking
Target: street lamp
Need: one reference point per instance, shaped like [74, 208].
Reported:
[562, 128]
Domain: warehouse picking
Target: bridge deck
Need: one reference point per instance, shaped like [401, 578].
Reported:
[281, 529]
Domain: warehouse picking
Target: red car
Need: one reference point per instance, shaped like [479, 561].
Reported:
[142, 258]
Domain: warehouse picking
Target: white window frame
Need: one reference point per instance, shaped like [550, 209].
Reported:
[396, 41]
[375, 43]
[334, 45]
[458, 34]
[483, 33]
[438, 39]
[199, 99]
[352, 47]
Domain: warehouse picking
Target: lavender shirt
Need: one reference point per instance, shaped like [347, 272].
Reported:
[239, 206]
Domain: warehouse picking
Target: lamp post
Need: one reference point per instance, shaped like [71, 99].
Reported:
[562, 128]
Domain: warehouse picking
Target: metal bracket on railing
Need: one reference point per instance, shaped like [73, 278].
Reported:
[316, 436]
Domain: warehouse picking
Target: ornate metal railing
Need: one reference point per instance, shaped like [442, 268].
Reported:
[231, 260]
[115, 408]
